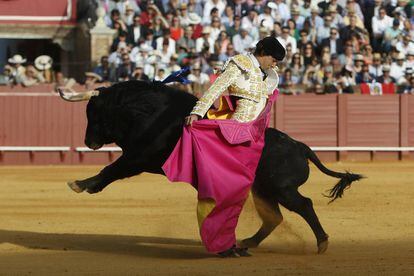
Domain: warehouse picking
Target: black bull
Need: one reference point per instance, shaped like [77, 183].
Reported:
[146, 120]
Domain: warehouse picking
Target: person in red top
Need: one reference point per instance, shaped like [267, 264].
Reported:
[176, 30]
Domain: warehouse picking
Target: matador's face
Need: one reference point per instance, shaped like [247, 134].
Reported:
[267, 62]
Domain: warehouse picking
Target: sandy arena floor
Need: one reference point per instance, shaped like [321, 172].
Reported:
[147, 226]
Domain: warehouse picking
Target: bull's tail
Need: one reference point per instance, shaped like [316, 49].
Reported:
[345, 181]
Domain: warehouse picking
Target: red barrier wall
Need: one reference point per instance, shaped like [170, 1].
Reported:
[318, 120]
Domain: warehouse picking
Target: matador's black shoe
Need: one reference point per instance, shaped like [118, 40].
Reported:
[234, 252]
[242, 252]
[229, 253]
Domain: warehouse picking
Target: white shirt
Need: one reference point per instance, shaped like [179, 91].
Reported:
[241, 44]
[282, 12]
[209, 6]
[402, 48]
[267, 21]
[289, 40]
[322, 32]
[397, 71]
[379, 25]
[137, 33]
[171, 45]
[375, 71]
[202, 79]
[200, 42]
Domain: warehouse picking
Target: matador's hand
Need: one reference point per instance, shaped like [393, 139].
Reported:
[192, 118]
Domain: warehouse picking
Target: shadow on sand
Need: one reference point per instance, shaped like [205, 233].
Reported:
[155, 247]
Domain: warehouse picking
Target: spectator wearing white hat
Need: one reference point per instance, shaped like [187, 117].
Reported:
[204, 43]
[43, 63]
[347, 80]
[410, 58]
[183, 15]
[91, 79]
[280, 11]
[17, 62]
[315, 20]
[124, 5]
[409, 89]
[358, 63]
[398, 67]
[405, 79]
[376, 67]
[128, 15]
[140, 52]
[143, 55]
[386, 77]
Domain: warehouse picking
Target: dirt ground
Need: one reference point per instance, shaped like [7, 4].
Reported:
[147, 226]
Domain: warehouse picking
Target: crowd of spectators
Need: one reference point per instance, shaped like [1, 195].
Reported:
[332, 46]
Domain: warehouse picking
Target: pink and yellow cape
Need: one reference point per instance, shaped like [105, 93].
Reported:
[219, 158]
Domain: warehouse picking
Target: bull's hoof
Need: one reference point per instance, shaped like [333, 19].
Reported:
[93, 190]
[248, 243]
[322, 246]
[75, 187]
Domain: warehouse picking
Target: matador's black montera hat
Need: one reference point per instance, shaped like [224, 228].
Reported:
[272, 47]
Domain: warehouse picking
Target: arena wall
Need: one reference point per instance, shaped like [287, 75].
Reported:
[32, 121]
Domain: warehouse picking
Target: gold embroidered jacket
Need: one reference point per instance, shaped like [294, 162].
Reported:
[242, 78]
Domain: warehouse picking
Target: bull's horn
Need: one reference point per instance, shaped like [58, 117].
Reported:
[75, 96]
